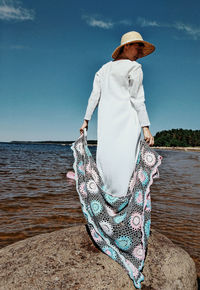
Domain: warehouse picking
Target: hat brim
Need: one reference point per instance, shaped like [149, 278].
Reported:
[147, 49]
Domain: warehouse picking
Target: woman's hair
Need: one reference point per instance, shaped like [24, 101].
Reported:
[122, 48]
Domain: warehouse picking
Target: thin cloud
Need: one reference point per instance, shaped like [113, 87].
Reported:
[194, 32]
[96, 22]
[12, 10]
[144, 22]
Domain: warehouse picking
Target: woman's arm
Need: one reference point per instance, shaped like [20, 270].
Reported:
[137, 96]
[92, 101]
[138, 100]
[94, 97]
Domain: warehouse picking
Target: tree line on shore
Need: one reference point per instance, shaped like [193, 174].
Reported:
[166, 138]
[177, 137]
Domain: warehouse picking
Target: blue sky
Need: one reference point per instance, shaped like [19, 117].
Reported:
[50, 51]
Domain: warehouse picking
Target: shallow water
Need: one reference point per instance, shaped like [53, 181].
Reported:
[36, 197]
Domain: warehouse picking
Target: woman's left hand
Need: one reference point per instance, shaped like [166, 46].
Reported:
[85, 125]
[147, 136]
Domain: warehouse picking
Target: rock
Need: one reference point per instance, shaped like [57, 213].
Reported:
[67, 259]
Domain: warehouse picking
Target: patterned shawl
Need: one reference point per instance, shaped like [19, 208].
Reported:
[120, 226]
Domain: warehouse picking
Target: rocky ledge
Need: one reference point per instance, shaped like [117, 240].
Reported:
[67, 259]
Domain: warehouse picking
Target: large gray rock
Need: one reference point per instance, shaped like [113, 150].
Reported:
[67, 259]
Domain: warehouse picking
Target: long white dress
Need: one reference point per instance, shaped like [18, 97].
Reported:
[118, 91]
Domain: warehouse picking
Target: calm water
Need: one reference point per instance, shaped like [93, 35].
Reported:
[36, 197]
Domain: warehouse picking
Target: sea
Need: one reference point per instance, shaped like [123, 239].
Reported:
[36, 196]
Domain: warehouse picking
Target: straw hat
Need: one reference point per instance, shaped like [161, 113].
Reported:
[131, 37]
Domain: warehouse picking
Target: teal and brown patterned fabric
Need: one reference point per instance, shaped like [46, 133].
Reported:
[120, 226]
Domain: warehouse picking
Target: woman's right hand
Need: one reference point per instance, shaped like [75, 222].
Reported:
[85, 125]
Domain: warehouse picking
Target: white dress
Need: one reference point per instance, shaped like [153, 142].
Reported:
[118, 92]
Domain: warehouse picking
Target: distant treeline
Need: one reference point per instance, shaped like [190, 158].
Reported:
[49, 142]
[177, 137]
[43, 142]
[168, 138]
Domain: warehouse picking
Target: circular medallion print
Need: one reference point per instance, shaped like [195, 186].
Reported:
[96, 207]
[123, 242]
[92, 187]
[139, 197]
[149, 158]
[138, 252]
[106, 227]
[143, 176]
[136, 221]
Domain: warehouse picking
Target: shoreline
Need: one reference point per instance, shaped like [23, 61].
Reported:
[196, 149]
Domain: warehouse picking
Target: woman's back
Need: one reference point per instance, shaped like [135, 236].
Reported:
[118, 127]
[118, 91]
[114, 77]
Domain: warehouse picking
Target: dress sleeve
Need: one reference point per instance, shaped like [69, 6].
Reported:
[137, 96]
[94, 97]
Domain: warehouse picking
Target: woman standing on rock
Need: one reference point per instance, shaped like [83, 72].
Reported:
[114, 191]
[118, 91]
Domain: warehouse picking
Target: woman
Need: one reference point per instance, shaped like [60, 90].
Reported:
[119, 93]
